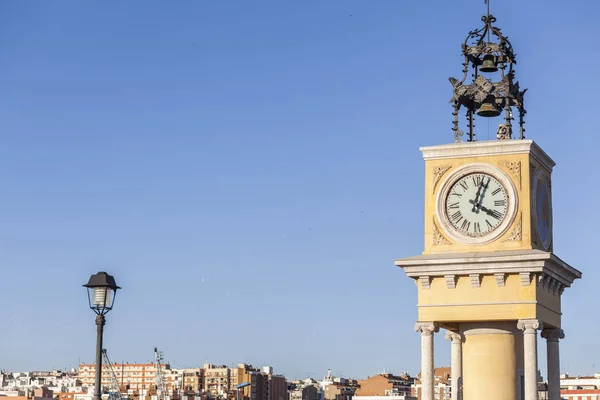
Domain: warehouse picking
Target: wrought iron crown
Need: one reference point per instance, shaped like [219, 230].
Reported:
[483, 96]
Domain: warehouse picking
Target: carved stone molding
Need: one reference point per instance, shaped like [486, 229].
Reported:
[451, 281]
[529, 325]
[525, 278]
[427, 328]
[425, 282]
[553, 334]
[500, 279]
[550, 284]
[453, 336]
[516, 235]
[515, 169]
[438, 238]
[543, 281]
[438, 172]
[553, 287]
[475, 280]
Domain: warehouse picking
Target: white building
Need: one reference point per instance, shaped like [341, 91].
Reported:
[580, 382]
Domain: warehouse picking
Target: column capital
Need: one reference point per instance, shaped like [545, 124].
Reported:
[427, 328]
[453, 336]
[530, 325]
[553, 334]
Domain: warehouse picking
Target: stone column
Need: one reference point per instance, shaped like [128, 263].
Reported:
[488, 355]
[427, 330]
[552, 337]
[456, 362]
[529, 328]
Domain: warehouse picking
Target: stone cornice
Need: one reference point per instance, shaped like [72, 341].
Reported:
[487, 148]
[490, 263]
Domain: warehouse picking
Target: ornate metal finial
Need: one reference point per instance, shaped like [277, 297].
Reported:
[482, 96]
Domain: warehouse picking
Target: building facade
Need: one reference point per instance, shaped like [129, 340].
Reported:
[132, 376]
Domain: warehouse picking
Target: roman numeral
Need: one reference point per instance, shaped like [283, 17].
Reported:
[464, 185]
[455, 194]
[465, 225]
[457, 216]
[477, 180]
[495, 214]
[488, 224]
[500, 203]
[495, 192]
[476, 228]
[453, 205]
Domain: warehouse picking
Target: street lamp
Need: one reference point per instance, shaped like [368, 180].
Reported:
[238, 387]
[102, 290]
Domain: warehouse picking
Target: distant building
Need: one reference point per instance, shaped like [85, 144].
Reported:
[134, 377]
[192, 380]
[217, 380]
[580, 387]
[277, 387]
[310, 392]
[385, 385]
[579, 382]
[441, 384]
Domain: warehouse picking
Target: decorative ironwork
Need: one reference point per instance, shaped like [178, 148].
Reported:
[482, 96]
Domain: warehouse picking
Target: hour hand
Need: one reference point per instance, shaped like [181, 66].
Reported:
[492, 213]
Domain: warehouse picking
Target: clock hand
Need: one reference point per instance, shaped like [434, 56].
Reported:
[489, 212]
[482, 194]
[474, 201]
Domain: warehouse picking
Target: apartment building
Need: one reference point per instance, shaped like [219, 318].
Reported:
[277, 387]
[580, 382]
[580, 387]
[221, 381]
[192, 380]
[386, 385]
[441, 388]
[130, 376]
[217, 380]
[56, 380]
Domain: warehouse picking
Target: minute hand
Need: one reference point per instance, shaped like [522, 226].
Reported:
[475, 200]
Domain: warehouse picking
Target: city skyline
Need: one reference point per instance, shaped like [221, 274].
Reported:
[249, 172]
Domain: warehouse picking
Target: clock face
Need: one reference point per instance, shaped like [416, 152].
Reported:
[476, 205]
[543, 212]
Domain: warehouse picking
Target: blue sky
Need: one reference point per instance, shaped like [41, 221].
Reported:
[249, 170]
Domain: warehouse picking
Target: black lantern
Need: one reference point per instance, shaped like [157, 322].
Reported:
[102, 289]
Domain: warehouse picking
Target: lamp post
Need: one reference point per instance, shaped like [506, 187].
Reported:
[102, 290]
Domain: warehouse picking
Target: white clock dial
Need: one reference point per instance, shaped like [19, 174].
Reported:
[476, 204]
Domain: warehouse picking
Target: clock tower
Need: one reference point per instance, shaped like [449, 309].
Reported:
[488, 275]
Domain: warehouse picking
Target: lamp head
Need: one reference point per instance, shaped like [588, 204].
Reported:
[102, 290]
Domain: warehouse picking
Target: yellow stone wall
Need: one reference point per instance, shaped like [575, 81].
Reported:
[523, 215]
[488, 302]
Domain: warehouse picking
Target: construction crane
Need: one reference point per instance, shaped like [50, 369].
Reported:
[161, 387]
[114, 391]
